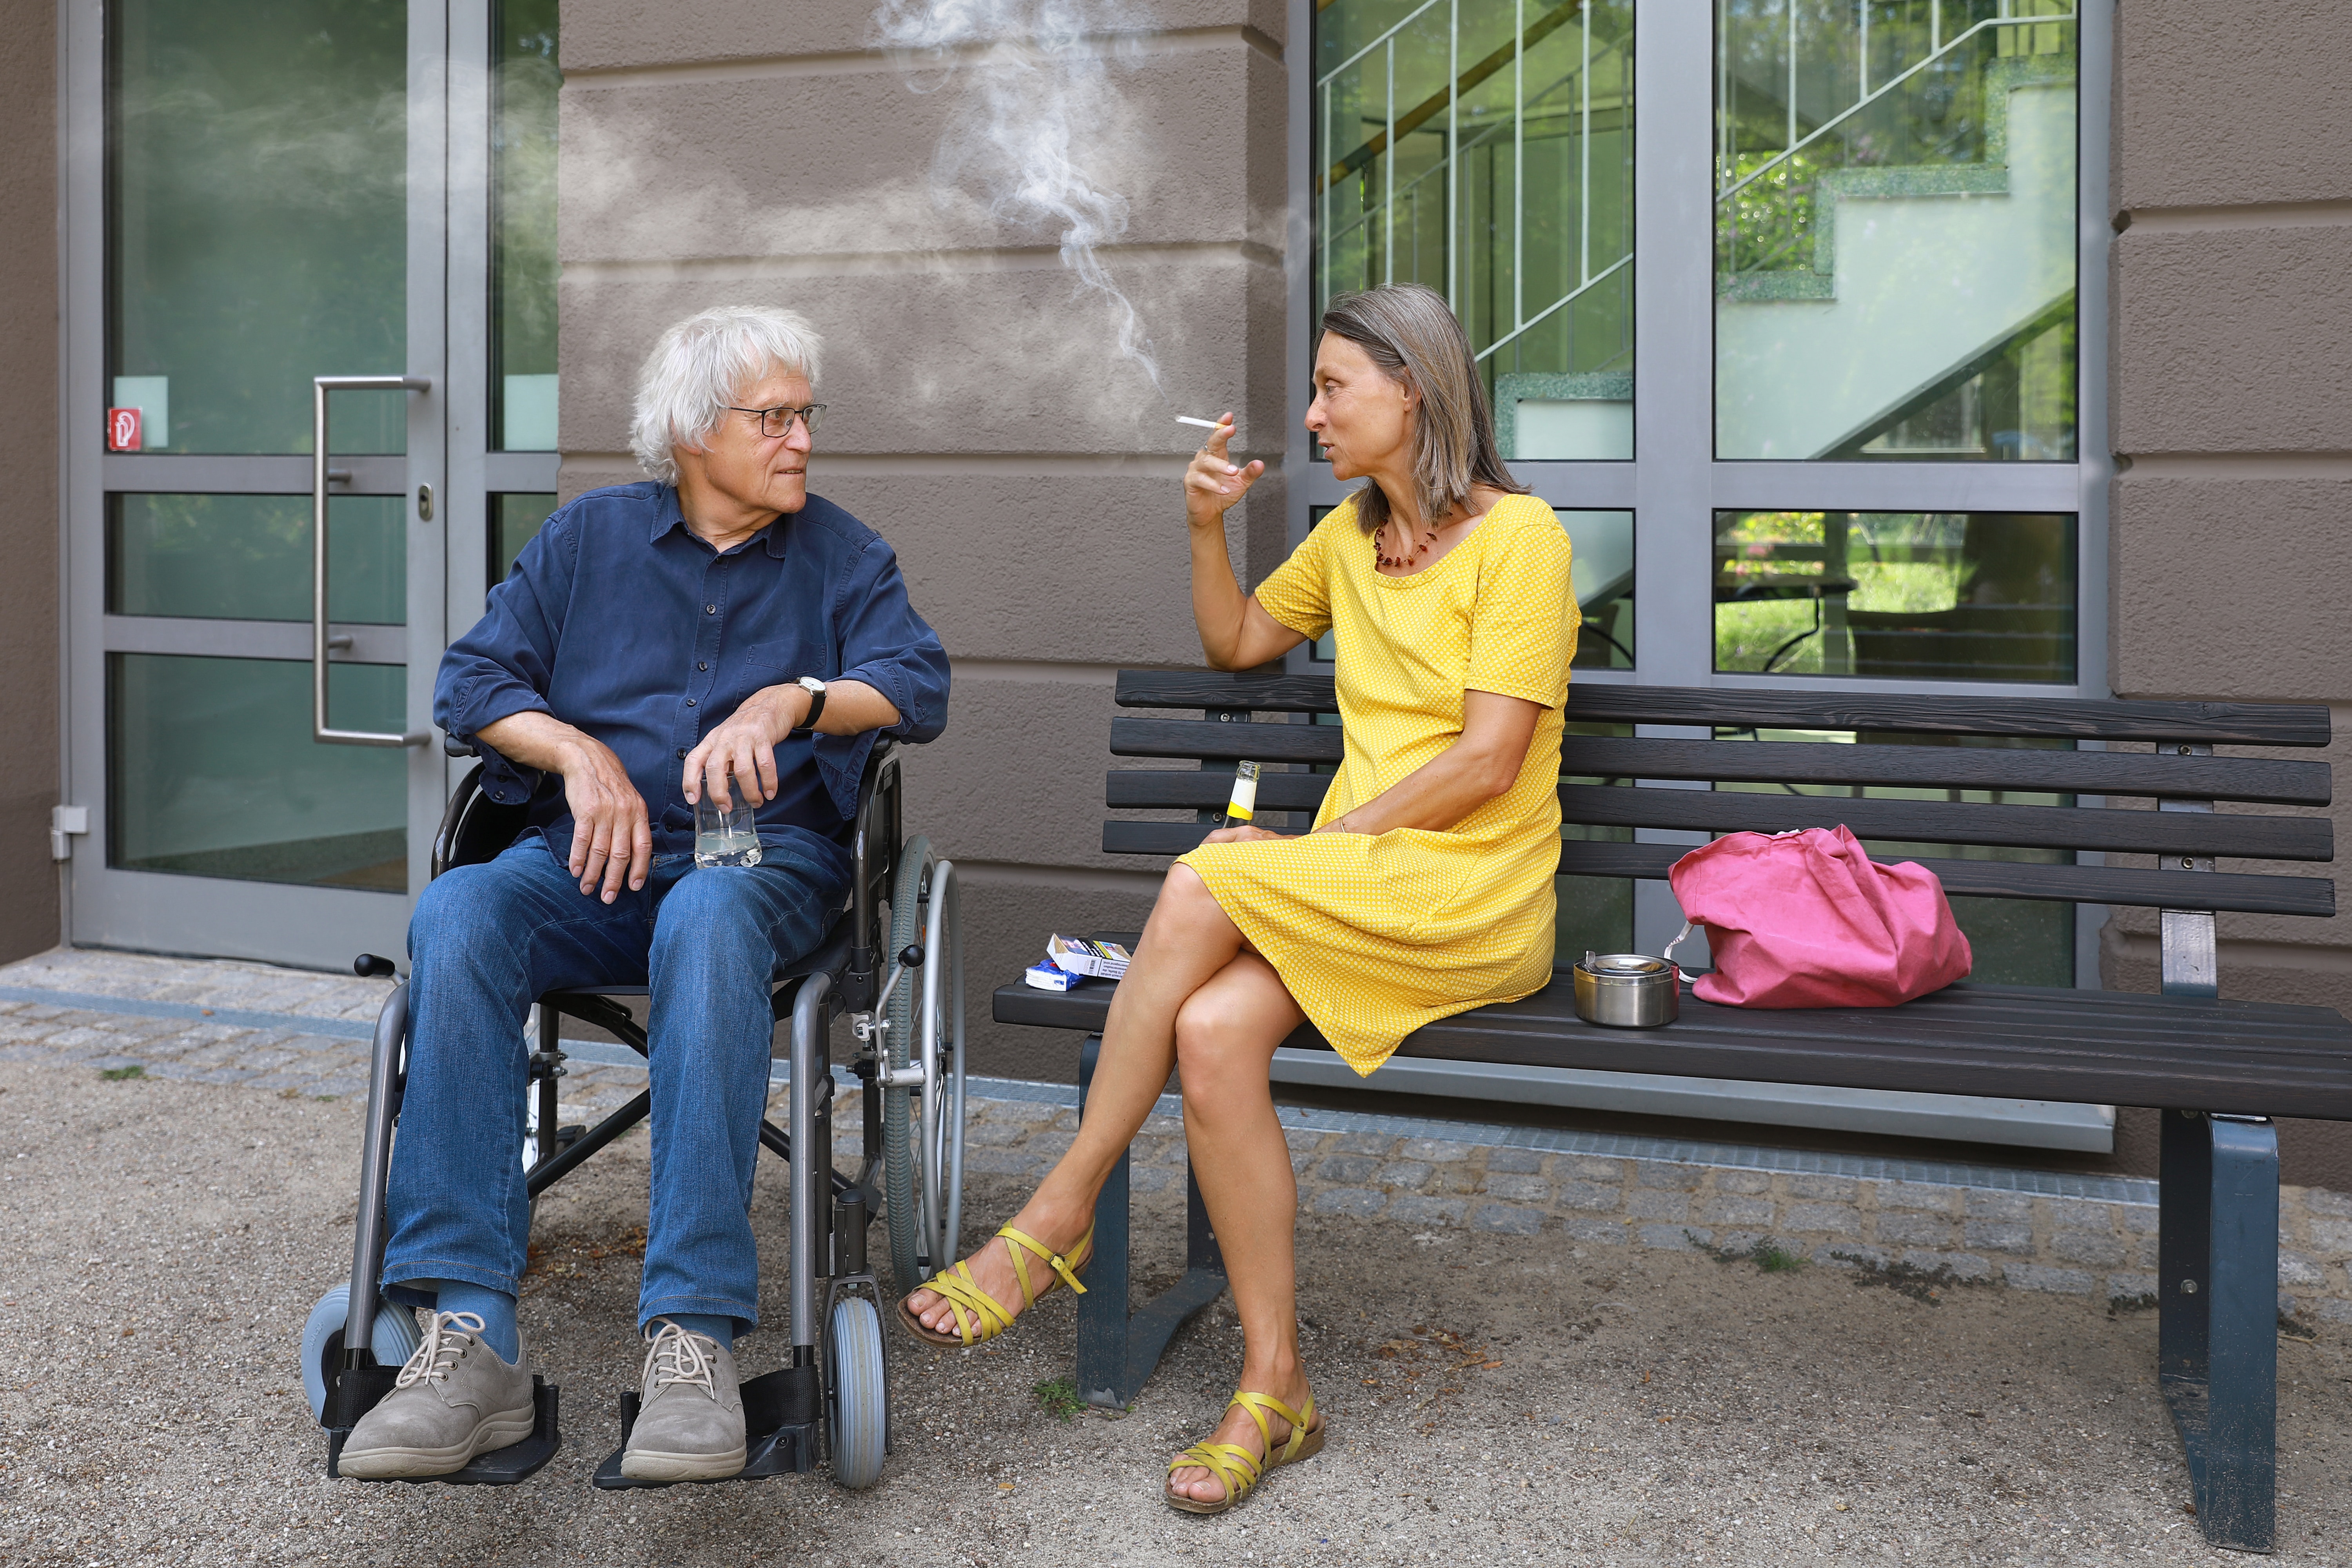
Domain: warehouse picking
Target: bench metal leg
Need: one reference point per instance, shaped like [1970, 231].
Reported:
[1119, 1352]
[2217, 1356]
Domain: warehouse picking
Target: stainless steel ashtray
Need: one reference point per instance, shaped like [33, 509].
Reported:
[1628, 989]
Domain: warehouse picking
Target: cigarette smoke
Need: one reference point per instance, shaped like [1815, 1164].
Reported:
[1036, 81]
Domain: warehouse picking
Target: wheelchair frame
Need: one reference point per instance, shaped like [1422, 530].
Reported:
[785, 1410]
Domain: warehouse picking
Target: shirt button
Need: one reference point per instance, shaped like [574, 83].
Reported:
[703, 664]
[710, 609]
[681, 753]
[689, 702]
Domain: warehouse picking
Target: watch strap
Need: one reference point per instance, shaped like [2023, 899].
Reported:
[817, 710]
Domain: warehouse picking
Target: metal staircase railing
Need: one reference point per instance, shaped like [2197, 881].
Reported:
[1403, 201]
[1940, 48]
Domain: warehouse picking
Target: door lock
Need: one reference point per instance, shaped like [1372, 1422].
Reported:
[424, 503]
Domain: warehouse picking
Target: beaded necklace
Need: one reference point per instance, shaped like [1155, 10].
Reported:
[1401, 559]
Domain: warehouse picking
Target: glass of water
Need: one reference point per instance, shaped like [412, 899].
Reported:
[725, 837]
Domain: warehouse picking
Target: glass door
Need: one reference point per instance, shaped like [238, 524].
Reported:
[270, 198]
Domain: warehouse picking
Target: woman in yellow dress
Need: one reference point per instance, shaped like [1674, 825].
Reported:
[1424, 890]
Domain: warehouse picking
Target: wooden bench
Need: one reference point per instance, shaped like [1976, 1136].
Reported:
[2219, 1070]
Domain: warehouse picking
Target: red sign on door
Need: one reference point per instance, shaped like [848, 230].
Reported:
[122, 429]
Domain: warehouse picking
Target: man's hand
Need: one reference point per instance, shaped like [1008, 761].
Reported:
[1243, 835]
[612, 839]
[744, 746]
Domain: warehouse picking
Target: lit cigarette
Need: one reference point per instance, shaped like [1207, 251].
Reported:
[1203, 424]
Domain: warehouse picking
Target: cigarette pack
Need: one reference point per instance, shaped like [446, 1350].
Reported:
[1078, 955]
[1045, 977]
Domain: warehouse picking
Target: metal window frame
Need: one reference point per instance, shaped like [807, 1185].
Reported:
[1674, 485]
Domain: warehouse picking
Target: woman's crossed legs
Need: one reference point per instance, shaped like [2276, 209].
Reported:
[1196, 998]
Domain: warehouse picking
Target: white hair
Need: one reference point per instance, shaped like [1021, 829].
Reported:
[700, 365]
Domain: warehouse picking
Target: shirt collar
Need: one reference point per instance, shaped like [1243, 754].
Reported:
[669, 514]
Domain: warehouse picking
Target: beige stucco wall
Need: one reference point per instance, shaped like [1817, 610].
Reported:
[977, 415]
[29, 503]
[2230, 390]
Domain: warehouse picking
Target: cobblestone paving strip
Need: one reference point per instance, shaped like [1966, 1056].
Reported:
[303, 1034]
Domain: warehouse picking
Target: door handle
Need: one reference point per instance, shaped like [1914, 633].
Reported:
[320, 474]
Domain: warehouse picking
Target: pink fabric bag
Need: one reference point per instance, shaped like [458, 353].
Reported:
[1808, 920]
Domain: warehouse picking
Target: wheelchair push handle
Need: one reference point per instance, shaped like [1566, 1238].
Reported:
[368, 967]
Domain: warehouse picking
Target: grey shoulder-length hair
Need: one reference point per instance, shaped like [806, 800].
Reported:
[1411, 334]
[698, 366]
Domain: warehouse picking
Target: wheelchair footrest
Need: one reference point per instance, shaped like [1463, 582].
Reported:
[782, 1412]
[499, 1468]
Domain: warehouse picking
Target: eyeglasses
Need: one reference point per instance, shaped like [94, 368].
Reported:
[778, 421]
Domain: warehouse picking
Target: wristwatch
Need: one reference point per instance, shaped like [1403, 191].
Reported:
[815, 688]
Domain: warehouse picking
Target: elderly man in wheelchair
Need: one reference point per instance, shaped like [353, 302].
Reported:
[716, 637]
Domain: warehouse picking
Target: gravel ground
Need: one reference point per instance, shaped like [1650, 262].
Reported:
[1493, 1399]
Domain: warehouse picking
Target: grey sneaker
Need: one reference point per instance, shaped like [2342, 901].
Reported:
[689, 1423]
[453, 1399]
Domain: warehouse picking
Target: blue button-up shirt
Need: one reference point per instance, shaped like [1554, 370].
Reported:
[620, 622]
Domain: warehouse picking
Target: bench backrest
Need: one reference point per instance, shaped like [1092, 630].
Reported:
[1920, 744]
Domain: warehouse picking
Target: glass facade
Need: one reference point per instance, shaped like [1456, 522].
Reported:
[1486, 150]
[248, 558]
[1894, 229]
[514, 523]
[256, 223]
[211, 771]
[525, 81]
[1899, 595]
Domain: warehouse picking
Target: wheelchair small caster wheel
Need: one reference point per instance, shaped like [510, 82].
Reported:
[396, 1340]
[860, 1400]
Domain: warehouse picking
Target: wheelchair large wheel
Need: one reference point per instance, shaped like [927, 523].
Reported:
[860, 1400]
[396, 1340]
[922, 1129]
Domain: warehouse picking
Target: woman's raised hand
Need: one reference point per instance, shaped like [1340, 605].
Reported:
[1213, 482]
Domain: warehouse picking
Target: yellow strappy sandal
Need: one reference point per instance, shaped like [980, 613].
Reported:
[979, 1316]
[1238, 1467]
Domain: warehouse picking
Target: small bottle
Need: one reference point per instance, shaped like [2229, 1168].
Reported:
[1241, 809]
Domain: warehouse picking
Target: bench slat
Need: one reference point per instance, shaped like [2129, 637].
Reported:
[1990, 878]
[1949, 822]
[1205, 791]
[2005, 880]
[1224, 742]
[2078, 1046]
[2233, 723]
[2266, 780]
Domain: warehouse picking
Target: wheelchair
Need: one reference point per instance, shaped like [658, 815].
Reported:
[900, 935]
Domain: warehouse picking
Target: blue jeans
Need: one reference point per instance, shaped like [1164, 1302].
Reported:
[484, 943]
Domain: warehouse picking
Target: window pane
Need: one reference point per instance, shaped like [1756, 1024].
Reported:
[1976, 595]
[213, 771]
[2015, 942]
[1484, 148]
[257, 220]
[522, 286]
[248, 558]
[1894, 229]
[514, 523]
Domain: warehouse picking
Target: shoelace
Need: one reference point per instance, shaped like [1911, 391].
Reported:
[441, 1349]
[679, 1356]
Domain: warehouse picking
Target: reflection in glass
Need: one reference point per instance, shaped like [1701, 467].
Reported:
[514, 523]
[2015, 942]
[1979, 595]
[257, 225]
[213, 773]
[1595, 913]
[1496, 167]
[248, 558]
[522, 282]
[1894, 229]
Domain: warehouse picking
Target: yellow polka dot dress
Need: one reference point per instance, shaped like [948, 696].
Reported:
[1378, 935]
